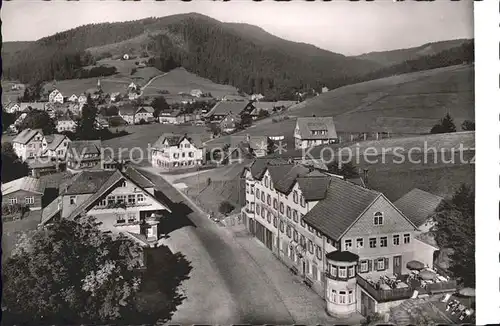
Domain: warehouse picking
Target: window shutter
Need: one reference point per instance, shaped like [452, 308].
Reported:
[386, 263]
[369, 265]
[375, 265]
[358, 267]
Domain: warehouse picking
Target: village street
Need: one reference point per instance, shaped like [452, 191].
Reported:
[234, 278]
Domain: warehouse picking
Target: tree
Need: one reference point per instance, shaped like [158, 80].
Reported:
[468, 125]
[454, 229]
[445, 125]
[263, 114]
[33, 92]
[214, 128]
[159, 104]
[86, 129]
[36, 119]
[12, 167]
[225, 207]
[270, 145]
[347, 170]
[7, 119]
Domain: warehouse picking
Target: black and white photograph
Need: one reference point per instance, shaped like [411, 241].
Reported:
[239, 162]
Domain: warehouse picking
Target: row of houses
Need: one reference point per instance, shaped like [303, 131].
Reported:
[340, 247]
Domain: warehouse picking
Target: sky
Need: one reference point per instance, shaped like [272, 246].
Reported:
[350, 28]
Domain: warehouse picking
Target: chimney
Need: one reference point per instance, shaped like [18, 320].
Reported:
[365, 177]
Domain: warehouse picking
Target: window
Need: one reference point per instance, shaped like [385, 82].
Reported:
[247, 188]
[343, 272]
[373, 242]
[302, 240]
[378, 218]
[310, 246]
[288, 231]
[406, 238]
[275, 203]
[120, 198]
[263, 197]
[295, 216]
[102, 203]
[302, 223]
[72, 200]
[123, 183]
[302, 201]
[268, 199]
[288, 212]
[131, 217]
[140, 198]
[383, 242]
[364, 266]
[395, 240]
[266, 181]
[258, 209]
[282, 226]
[120, 218]
[333, 270]
[268, 216]
[275, 222]
[359, 243]
[319, 252]
[351, 296]
[252, 189]
[111, 200]
[191, 154]
[347, 244]
[351, 271]
[29, 200]
[282, 208]
[131, 199]
[315, 272]
[295, 197]
[12, 201]
[310, 228]
[295, 236]
[263, 211]
[380, 264]
[257, 193]
[342, 296]
[334, 296]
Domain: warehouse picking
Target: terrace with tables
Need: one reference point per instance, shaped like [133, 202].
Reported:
[421, 281]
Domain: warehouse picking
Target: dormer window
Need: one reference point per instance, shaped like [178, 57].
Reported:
[378, 218]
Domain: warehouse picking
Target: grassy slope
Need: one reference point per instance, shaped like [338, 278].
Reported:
[180, 80]
[372, 106]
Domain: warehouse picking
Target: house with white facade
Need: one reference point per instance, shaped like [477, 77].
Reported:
[144, 113]
[66, 124]
[12, 107]
[340, 237]
[314, 131]
[177, 151]
[55, 145]
[196, 92]
[84, 155]
[56, 97]
[73, 98]
[122, 201]
[28, 143]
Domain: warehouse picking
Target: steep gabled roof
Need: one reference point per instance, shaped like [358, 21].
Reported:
[314, 185]
[80, 147]
[334, 214]
[138, 178]
[227, 107]
[176, 139]
[146, 108]
[54, 140]
[85, 182]
[309, 124]
[259, 166]
[26, 135]
[285, 176]
[26, 184]
[418, 205]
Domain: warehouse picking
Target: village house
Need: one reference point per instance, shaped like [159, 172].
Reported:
[419, 206]
[133, 96]
[101, 122]
[176, 117]
[113, 97]
[43, 165]
[127, 112]
[73, 98]
[12, 107]
[27, 106]
[223, 108]
[314, 131]
[28, 143]
[237, 98]
[196, 93]
[174, 151]
[83, 154]
[132, 86]
[56, 97]
[82, 100]
[144, 113]
[133, 115]
[340, 237]
[230, 123]
[256, 97]
[65, 124]
[55, 146]
[26, 191]
[121, 201]
[246, 147]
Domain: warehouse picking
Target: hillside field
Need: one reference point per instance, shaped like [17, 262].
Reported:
[180, 80]
[401, 105]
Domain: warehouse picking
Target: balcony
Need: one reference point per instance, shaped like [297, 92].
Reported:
[384, 295]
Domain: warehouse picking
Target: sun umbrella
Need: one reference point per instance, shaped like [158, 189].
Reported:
[467, 292]
[427, 275]
[415, 265]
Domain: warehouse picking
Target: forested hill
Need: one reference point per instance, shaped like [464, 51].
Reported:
[241, 55]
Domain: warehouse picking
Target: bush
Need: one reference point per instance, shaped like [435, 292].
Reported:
[225, 207]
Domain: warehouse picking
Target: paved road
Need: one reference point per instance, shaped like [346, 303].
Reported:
[226, 285]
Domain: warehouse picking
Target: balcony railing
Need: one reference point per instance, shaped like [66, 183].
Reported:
[448, 286]
[384, 295]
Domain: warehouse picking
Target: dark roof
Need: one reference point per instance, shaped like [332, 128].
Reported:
[418, 205]
[254, 142]
[127, 109]
[146, 108]
[54, 180]
[314, 187]
[334, 215]
[285, 176]
[138, 178]
[258, 167]
[226, 107]
[345, 256]
[308, 124]
[86, 182]
[176, 139]
[54, 141]
[80, 147]
[26, 135]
